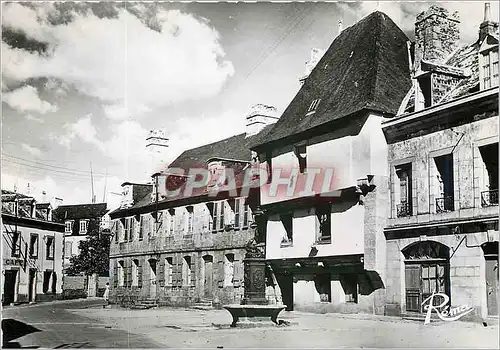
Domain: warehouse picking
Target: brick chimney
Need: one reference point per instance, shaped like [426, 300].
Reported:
[437, 35]
[488, 27]
[259, 117]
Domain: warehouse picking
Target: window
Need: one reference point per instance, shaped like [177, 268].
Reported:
[313, 106]
[68, 249]
[218, 216]
[68, 226]
[287, 221]
[323, 287]
[190, 219]
[350, 285]
[403, 190]
[34, 245]
[135, 273]
[131, 229]
[300, 153]
[126, 229]
[323, 221]
[121, 273]
[269, 161]
[84, 226]
[186, 271]
[228, 269]
[50, 248]
[444, 178]
[16, 244]
[489, 69]
[169, 271]
[489, 190]
[116, 230]
[143, 226]
[240, 213]
[237, 212]
[46, 280]
[171, 226]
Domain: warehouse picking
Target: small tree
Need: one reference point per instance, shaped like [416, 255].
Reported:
[93, 256]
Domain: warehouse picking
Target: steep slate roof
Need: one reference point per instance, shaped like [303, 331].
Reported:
[79, 211]
[235, 148]
[365, 68]
[24, 205]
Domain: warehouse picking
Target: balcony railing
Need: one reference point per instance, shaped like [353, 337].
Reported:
[444, 204]
[403, 209]
[489, 198]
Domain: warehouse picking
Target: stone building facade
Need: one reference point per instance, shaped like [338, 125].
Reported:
[442, 234]
[326, 198]
[189, 247]
[32, 251]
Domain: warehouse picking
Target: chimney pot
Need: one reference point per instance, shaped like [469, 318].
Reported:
[487, 27]
[260, 116]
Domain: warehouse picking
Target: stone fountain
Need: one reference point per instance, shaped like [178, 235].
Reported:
[254, 303]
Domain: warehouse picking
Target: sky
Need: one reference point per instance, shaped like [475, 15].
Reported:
[82, 84]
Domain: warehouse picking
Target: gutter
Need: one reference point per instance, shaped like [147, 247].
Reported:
[440, 224]
[457, 102]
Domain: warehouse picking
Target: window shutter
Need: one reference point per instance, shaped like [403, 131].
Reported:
[220, 273]
[222, 220]
[161, 271]
[139, 274]
[115, 273]
[193, 269]
[129, 273]
[238, 273]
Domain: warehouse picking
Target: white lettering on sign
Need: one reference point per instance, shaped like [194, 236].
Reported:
[443, 310]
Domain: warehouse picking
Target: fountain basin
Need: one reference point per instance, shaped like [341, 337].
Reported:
[238, 311]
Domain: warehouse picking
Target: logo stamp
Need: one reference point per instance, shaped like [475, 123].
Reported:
[443, 310]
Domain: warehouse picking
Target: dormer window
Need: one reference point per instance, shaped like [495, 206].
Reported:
[312, 107]
[489, 69]
[300, 152]
[84, 225]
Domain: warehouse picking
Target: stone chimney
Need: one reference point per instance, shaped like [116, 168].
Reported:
[488, 27]
[260, 116]
[44, 197]
[156, 145]
[316, 55]
[437, 35]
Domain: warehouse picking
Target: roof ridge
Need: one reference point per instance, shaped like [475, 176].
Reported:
[376, 58]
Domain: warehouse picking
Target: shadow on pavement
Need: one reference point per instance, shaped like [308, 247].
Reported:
[13, 329]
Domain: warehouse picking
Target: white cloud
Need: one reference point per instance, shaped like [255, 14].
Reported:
[33, 119]
[121, 60]
[31, 150]
[26, 99]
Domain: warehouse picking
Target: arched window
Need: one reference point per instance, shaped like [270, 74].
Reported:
[426, 272]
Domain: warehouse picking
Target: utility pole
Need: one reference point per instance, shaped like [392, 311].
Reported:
[92, 183]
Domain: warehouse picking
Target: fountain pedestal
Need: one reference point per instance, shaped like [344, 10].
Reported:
[254, 303]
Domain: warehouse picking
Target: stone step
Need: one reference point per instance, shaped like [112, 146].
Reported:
[202, 307]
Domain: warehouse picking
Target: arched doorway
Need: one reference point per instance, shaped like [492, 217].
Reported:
[152, 278]
[208, 262]
[490, 250]
[426, 272]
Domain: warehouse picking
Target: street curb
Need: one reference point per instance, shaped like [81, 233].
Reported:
[44, 303]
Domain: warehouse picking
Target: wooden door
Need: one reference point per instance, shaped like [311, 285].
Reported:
[9, 286]
[492, 285]
[412, 287]
[32, 285]
[208, 262]
[152, 279]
